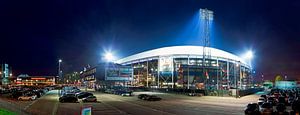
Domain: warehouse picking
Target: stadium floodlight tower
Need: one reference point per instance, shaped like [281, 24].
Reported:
[206, 18]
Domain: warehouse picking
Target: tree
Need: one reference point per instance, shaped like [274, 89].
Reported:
[278, 78]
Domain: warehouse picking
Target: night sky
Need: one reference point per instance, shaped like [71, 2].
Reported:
[35, 34]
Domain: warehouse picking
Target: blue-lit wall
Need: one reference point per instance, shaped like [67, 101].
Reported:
[285, 84]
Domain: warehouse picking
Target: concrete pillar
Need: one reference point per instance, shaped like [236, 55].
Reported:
[147, 73]
[188, 72]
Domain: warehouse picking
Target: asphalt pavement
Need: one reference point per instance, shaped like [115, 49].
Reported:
[171, 104]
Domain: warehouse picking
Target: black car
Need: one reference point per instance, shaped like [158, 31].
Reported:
[252, 109]
[142, 96]
[126, 93]
[16, 94]
[281, 99]
[152, 98]
[280, 107]
[68, 98]
[83, 95]
[264, 96]
[271, 100]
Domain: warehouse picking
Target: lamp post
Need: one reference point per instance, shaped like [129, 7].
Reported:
[59, 71]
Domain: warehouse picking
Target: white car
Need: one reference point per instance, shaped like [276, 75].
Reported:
[28, 98]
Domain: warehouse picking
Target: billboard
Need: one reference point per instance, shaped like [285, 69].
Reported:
[166, 65]
[122, 73]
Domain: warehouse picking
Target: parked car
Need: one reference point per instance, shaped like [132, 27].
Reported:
[290, 100]
[281, 109]
[262, 99]
[90, 98]
[271, 100]
[68, 98]
[266, 108]
[78, 93]
[27, 97]
[252, 109]
[110, 91]
[83, 95]
[126, 93]
[264, 96]
[260, 102]
[281, 99]
[152, 98]
[16, 94]
[142, 96]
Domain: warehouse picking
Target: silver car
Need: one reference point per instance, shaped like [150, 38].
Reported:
[90, 98]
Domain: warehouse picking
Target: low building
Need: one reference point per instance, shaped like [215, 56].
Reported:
[27, 80]
[107, 74]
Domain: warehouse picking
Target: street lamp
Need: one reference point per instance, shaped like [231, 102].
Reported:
[59, 71]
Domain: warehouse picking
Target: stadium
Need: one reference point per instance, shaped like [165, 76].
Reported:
[188, 67]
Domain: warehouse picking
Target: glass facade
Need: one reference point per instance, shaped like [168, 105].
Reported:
[190, 72]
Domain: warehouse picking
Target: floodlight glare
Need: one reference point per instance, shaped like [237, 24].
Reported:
[59, 60]
[206, 14]
[249, 55]
[109, 56]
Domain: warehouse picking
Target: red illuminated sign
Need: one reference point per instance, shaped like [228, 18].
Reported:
[38, 78]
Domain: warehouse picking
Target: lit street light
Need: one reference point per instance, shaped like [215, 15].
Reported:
[59, 71]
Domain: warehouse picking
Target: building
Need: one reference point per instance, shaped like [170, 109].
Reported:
[285, 84]
[5, 73]
[106, 75]
[27, 80]
[186, 67]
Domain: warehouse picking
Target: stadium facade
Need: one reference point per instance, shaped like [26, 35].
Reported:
[188, 67]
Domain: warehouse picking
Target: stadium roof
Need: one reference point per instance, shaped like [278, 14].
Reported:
[180, 50]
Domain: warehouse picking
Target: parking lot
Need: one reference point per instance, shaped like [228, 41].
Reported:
[19, 99]
[116, 103]
[111, 104]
